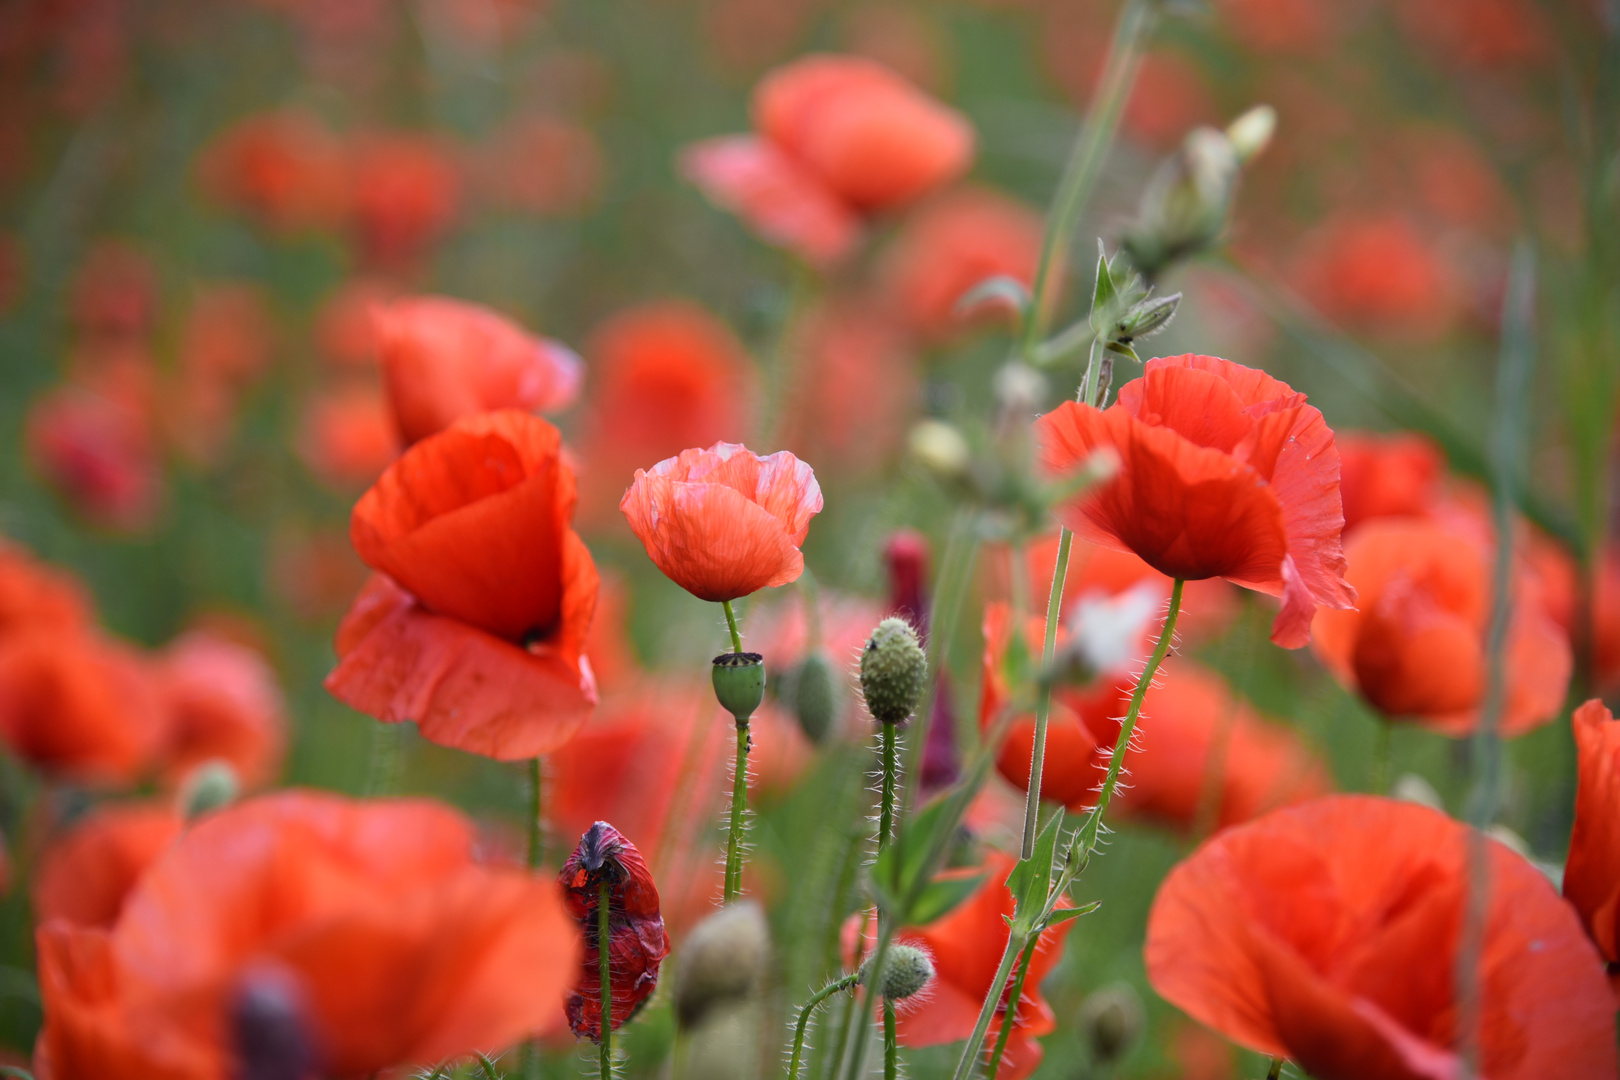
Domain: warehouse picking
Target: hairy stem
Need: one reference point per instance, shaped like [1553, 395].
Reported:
[1276, 1069]
[987, 1011]
[731, 623]
[804, 1018]
[739, 807]
[1043, 703]
[890, 764]
[1010, 1016]
[891, 1050]
[604, 963]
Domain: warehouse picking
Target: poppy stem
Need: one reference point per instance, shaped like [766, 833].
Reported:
[816, 999]
[1276, 1069]
[731, 621]
[1382, 757]
[537, 834]
[1043, 702]
[890, 765]
[891, 1053]
[1009, 1018]
[987, 1011]
[739, 806]
[604, 964]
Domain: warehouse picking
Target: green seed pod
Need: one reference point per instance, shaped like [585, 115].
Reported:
[739, 682]
[722, 963]
[1111, 1021]
[814, 695]
[906, 970]
[207, 788]
[893, 671]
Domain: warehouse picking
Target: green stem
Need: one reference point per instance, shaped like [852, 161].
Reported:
[886, 810]
[987, 1011]
[804, 1018]
[731, 621]
[1383, 756]
[880, 960]
[1085, 160]
[537, 832]
[1043, 703]
[739, 806]
[891, 1052]
[1276, 1068]
[488, 1068]
[1009, 1018]
[604, 963]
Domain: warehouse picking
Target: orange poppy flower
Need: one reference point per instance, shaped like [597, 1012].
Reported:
[283, 168]
[78, 706]
[86, 873]
[444, 359]
[475, 625]
[222, 702]
[1328, 933]
[1224, 472]
[1378, 274]
[780, 200]
[724, 522]
[1388, 476]
[406, 193]
[35, 594]
[1592, 873]
[1416, 647]
[366, 934]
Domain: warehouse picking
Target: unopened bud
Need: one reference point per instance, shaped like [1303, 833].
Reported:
[893, 671]
[1251, 132]
[1111, 1021]
[1185, 205]
[813, 695]
[940, 449]
[1020, 388]
[722, 963]
[1146, 318]
[906, 970]
[739, 682]
[207, 788]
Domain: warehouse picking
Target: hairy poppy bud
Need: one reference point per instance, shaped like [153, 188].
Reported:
[271, 1033]
[739, 682]
[906, 970]
[207, 788]
[893, 671]
[1111, 1021]
[722, 963]
[812, 692]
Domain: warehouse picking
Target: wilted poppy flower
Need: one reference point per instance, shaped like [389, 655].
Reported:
[778, 198]
[1415, 649]
[284, 169]
[724, 522]
[1328, 933]
[348, 436]
[637, 943]
[406, 193]
[475, 625]
[1377, 274]
[444, 359]
[1388, 476]
[85, 874]
[221, 701]
[1592, 872]
[1224, 472]
[77, 705]
[34, 594]
[97, 451]
[375, 941]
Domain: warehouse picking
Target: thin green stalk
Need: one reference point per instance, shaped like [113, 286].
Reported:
[1383, 757]
[1085, 160]
[880, 959]
[1276, 1068]
[890, 763]
[1010, 1016]
[537, 832]
[488, 1067]
[891, 1047]
[804, 1018]
[992, 998]
[1043, 702]
[739, 807]
[731, 622]
[604, 963]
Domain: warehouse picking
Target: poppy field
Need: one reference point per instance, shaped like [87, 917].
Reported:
[825, 539]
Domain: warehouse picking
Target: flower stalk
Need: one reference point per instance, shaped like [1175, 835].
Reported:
[836, 986]
[604, 962]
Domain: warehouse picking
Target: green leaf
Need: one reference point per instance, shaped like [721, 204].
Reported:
[1106, 297]
[1007, 290]
[939, 897]
[1063, 915]
[1120, 349]
[1031, 879]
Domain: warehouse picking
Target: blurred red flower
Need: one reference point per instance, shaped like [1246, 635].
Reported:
[347, 435]
[1328, 933]
[1282, 26]
[444, 359]
[221, 702]
[92, 440]
[225, 346]
[1592, 872]
[284, 169]
[115, 292]
[637, 943]
[1377, 274]
[855, 387]
[1395, 475]
[1225, 472]
[1480, 33]
[407, 192]
[724, 522]
[477, 631]
[355, 936]
[345, 331]
[543, 165]
[86, 872]
[778, 198]
[34, 594]
[1415, 649]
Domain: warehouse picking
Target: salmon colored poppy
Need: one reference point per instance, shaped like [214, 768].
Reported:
[475, 624]
[78, 706]
[347, 436]
[637, 943]
[778, 198]
[34, 594]
[285, 169]
[222, 703]
[366, 936]
[406, 193]
[85, 874]
[724, 522]
[1328, 933]
[1415, 649]
[1224, 472]
[1592, 872]
[1388, 476]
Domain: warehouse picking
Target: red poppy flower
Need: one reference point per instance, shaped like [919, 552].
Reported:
[77, 705]
[283, 168]
[348, 436]
[364, 934]
[724, 522]
[1592, 873]
[477, 630]
[96, 449]
[115, 292]
[778, 198]
[637, 943]
[1224, 472]
[444, 359]
[1388, 476]
[1328, 933]
[406, 193]
[1416, 647]
[1378, 274]
[34, 594]
[86, 873]
[222, 702]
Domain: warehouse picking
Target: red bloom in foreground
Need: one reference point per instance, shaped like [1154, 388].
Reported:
[1328, 933]
[87, 872]
[444, 359]
[354, 937]
[1224, 472]
[1592, 873]
[637, 943]
[724, 522]
[475, 625]
[1388, 476]
[1416, 647]
[222, 702]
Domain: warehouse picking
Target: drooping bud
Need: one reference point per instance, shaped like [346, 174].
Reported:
[739, 682]
[207, 788]
[941, 449]
[812, 692]
[906, 970]
[893, 671]
[1251, 132]
[1111, 1021]
[270, 1033]
[722, 963]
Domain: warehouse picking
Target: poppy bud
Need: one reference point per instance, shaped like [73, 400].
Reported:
[941, 449]
[893, 671]
[906, 970]
[1111, 1021]
[272, 1036]
[1185, 205]
[722, 963]
[813, 694]
[1251, 132]
[739, 682]
[1146, 318]
[208, 787]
